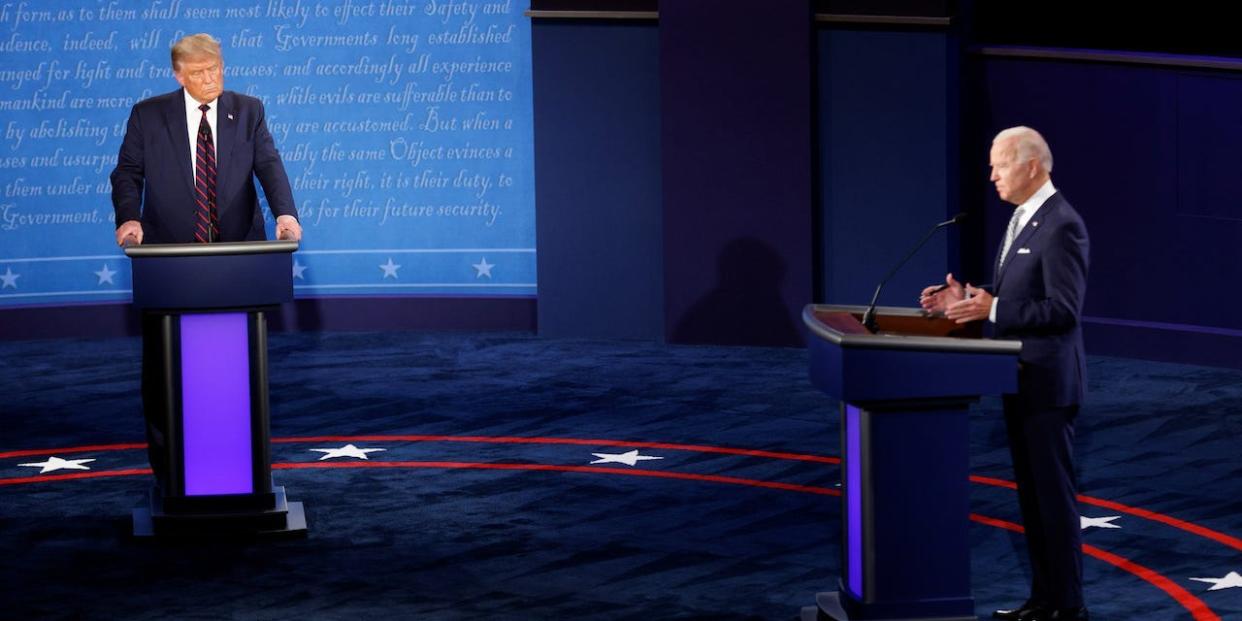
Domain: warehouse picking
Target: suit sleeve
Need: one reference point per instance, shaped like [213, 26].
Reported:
[127, 177]
[1064, 272]
[271, 171]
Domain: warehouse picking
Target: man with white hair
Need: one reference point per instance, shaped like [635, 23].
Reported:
[187, 165]
[1040, 282]
[185, 173]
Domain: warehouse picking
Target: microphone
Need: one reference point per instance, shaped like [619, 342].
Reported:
[868, 319]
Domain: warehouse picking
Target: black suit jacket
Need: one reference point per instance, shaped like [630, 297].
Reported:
[1041, 287]
[154, 181]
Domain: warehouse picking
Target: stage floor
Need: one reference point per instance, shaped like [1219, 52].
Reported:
[504, 476]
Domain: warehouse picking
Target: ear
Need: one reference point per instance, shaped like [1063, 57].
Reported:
[1032, 168]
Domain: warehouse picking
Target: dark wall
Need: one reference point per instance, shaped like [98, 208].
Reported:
[1149, 156]
[887, 147]
[597, 172]
[735, 103]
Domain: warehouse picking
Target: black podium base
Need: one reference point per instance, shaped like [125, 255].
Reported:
[828, 608]
[283, 519]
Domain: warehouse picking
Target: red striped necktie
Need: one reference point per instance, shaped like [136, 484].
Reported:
[206, 219]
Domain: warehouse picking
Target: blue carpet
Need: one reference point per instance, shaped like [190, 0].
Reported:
[484, 503]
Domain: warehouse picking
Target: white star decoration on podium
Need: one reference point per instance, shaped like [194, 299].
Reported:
[483, 268]
[348, 450]
[1100, 522]
[1231, 580]
[298, 269]
[54, 463]
[9, 278]
[630, 458]
[105, 275]
[390, 268]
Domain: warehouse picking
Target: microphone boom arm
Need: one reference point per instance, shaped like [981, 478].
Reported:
[868, 319]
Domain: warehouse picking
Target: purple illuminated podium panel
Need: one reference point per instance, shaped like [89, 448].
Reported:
[215, 404]
[205, 352]
[905, 393]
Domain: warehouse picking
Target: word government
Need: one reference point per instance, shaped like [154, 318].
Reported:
[286, 41]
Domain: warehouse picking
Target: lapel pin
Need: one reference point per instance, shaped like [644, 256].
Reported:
[230, 117]
[1033, 223]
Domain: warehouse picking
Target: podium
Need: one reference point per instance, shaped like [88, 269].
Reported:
[905, 393]
[206, 332]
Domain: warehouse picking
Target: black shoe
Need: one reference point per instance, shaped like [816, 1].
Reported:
[1064, 614]
[1021, 613]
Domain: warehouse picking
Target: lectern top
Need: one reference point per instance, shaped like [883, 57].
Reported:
[217, 249]
[900, 328]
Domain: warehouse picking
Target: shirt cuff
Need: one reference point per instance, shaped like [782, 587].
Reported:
[992, 313]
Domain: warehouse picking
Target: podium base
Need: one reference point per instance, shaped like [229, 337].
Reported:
[283, 520]
[828, 608]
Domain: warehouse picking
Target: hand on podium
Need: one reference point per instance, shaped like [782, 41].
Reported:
[129, 233]
[287, 228]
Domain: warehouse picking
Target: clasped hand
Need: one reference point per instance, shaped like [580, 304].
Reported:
[961, 303]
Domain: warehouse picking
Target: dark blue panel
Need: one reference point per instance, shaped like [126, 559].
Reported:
[1209, 159]
[887, 173]
[860, 375]
[306, 314]
[597, 166]
[736, 154]
[1149, 157]
[213, 281]
[905, 483]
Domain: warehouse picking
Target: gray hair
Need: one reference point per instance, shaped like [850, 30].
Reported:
[1027, 145]
[195, 46]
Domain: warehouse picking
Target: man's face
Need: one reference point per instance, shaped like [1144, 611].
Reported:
[1015, 181]
[202, 77]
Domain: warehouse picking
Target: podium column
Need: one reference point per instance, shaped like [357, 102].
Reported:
[210, 300]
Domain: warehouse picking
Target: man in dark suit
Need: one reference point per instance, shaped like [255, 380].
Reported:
[185, 174]
[1040, 282]
[158, 176]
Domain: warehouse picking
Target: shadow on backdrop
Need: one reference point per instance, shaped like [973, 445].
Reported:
[745, 305]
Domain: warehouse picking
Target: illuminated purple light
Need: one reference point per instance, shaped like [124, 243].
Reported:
[215, 411]
[853, 500]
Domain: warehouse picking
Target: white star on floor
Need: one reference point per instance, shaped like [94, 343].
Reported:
[9, 278]
[1231, 580]
[105, 275]
[1100, 522]
[348, 450]
[483, 268]
[631, 458]
[298, 268]
[55, 463]
[390, 269]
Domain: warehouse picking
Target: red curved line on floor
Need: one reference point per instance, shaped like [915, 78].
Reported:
[1197, 608]
[465, 465]
[698, 448]
[478, 439]
[50, 478]
[74, 449]
[659, 474]
[1218, 537]
[1207, 533]
[1194, 605]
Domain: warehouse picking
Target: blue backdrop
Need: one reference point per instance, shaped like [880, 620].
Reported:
[405, 127]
